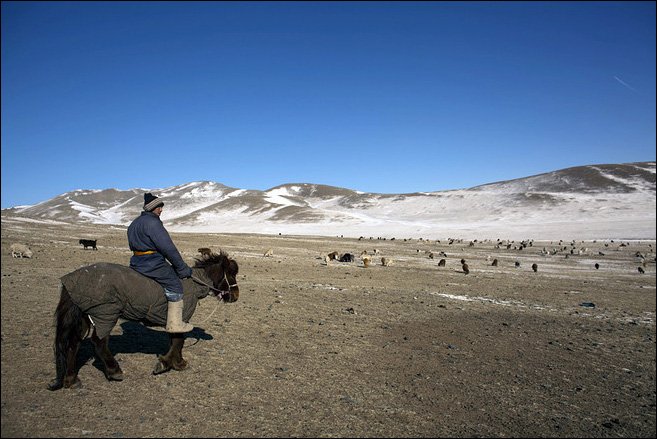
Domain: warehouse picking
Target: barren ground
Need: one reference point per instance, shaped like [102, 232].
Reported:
[310, 350]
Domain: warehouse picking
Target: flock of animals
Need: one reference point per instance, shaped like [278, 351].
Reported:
[562, 248]
[19, 250]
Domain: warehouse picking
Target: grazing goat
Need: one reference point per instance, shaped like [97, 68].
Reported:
[441, 263]
[89, 243]
[535, 267]
[20, 251]
[494, 264]
[347, 257]
[641, 270]
[466, 269]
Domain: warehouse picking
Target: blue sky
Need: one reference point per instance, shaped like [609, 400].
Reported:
[387, 97]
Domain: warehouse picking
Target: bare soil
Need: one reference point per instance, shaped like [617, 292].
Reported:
[341, 350]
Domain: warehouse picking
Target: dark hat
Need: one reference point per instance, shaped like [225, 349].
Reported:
[151, 202]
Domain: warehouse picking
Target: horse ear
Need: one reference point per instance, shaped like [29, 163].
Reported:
[232, 266]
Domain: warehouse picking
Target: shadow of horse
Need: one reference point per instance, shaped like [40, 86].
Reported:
[135, 339]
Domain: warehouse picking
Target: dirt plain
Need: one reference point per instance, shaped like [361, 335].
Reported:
[341, 350]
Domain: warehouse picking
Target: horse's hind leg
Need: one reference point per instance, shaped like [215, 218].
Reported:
[172, 359]
[112, 370]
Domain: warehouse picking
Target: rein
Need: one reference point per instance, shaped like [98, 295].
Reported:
[220, 293]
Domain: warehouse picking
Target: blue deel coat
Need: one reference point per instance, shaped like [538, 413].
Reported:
[148, 233]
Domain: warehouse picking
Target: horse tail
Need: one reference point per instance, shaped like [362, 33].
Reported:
[71, 328]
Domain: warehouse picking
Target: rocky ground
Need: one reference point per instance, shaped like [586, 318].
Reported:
[341, 350]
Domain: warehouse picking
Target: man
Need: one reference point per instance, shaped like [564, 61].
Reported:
[152, 247]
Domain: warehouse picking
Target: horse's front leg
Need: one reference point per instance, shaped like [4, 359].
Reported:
[172, 359]
[112, 370]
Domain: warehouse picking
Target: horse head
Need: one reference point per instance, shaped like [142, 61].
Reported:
[222, 270]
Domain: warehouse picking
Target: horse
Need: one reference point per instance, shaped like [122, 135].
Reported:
[92, 299]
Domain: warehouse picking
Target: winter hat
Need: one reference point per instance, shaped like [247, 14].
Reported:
[151, 202]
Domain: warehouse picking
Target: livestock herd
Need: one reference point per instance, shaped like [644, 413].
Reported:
[19, 250]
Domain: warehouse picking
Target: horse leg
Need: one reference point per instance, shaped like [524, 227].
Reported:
[112, 370]
[172, 359]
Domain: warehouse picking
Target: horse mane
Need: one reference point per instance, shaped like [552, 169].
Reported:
[212, 259]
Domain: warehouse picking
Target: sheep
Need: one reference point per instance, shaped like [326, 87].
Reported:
[268, 253]
[366, 261]
[386, 262]
[441, 263]
[333, 255]
[466, 269]
[535, 267]
[20, 251]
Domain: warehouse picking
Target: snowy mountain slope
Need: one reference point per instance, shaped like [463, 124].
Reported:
[585, 202]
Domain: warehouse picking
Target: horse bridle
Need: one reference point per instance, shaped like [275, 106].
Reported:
[220, 293]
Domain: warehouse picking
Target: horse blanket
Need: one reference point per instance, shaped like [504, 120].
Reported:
[108, 291]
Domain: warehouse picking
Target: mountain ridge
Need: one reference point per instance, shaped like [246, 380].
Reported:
[598, 201]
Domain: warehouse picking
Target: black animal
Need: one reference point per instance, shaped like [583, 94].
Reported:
[641, 270]
[347, 257]
[466, 269]
[441, 263]
[89, 243]
[535, 267]
[494, 264]
[597, 266]
[93, 298]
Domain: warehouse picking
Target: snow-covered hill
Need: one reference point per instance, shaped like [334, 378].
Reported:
[585, 202]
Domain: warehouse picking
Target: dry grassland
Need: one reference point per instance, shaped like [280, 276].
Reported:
[340, 350]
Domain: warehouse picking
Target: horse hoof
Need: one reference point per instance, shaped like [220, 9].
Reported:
[160, 367]
[115, 376]
[77, 384]
[182, 365]
[55, 385]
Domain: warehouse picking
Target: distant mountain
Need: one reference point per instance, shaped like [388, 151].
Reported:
[584, 202]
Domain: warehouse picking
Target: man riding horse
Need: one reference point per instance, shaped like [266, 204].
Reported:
[152, 247]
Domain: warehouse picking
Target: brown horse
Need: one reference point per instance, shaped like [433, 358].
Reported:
[93, 298]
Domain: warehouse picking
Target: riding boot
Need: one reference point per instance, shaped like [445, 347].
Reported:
[175, 322]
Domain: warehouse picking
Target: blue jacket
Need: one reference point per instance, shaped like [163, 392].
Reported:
[148, 233]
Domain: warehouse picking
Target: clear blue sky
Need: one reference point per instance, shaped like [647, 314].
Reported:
[387, 97]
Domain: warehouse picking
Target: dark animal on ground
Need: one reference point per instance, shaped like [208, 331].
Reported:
[89, 243]
[535, 267]
[93, 298]
[204, 251]
[333, 255]
[641, 270]
[517, 264]
[466, 269]
[441, 263]
[494, 264]
[597, 266]
[347, 257]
